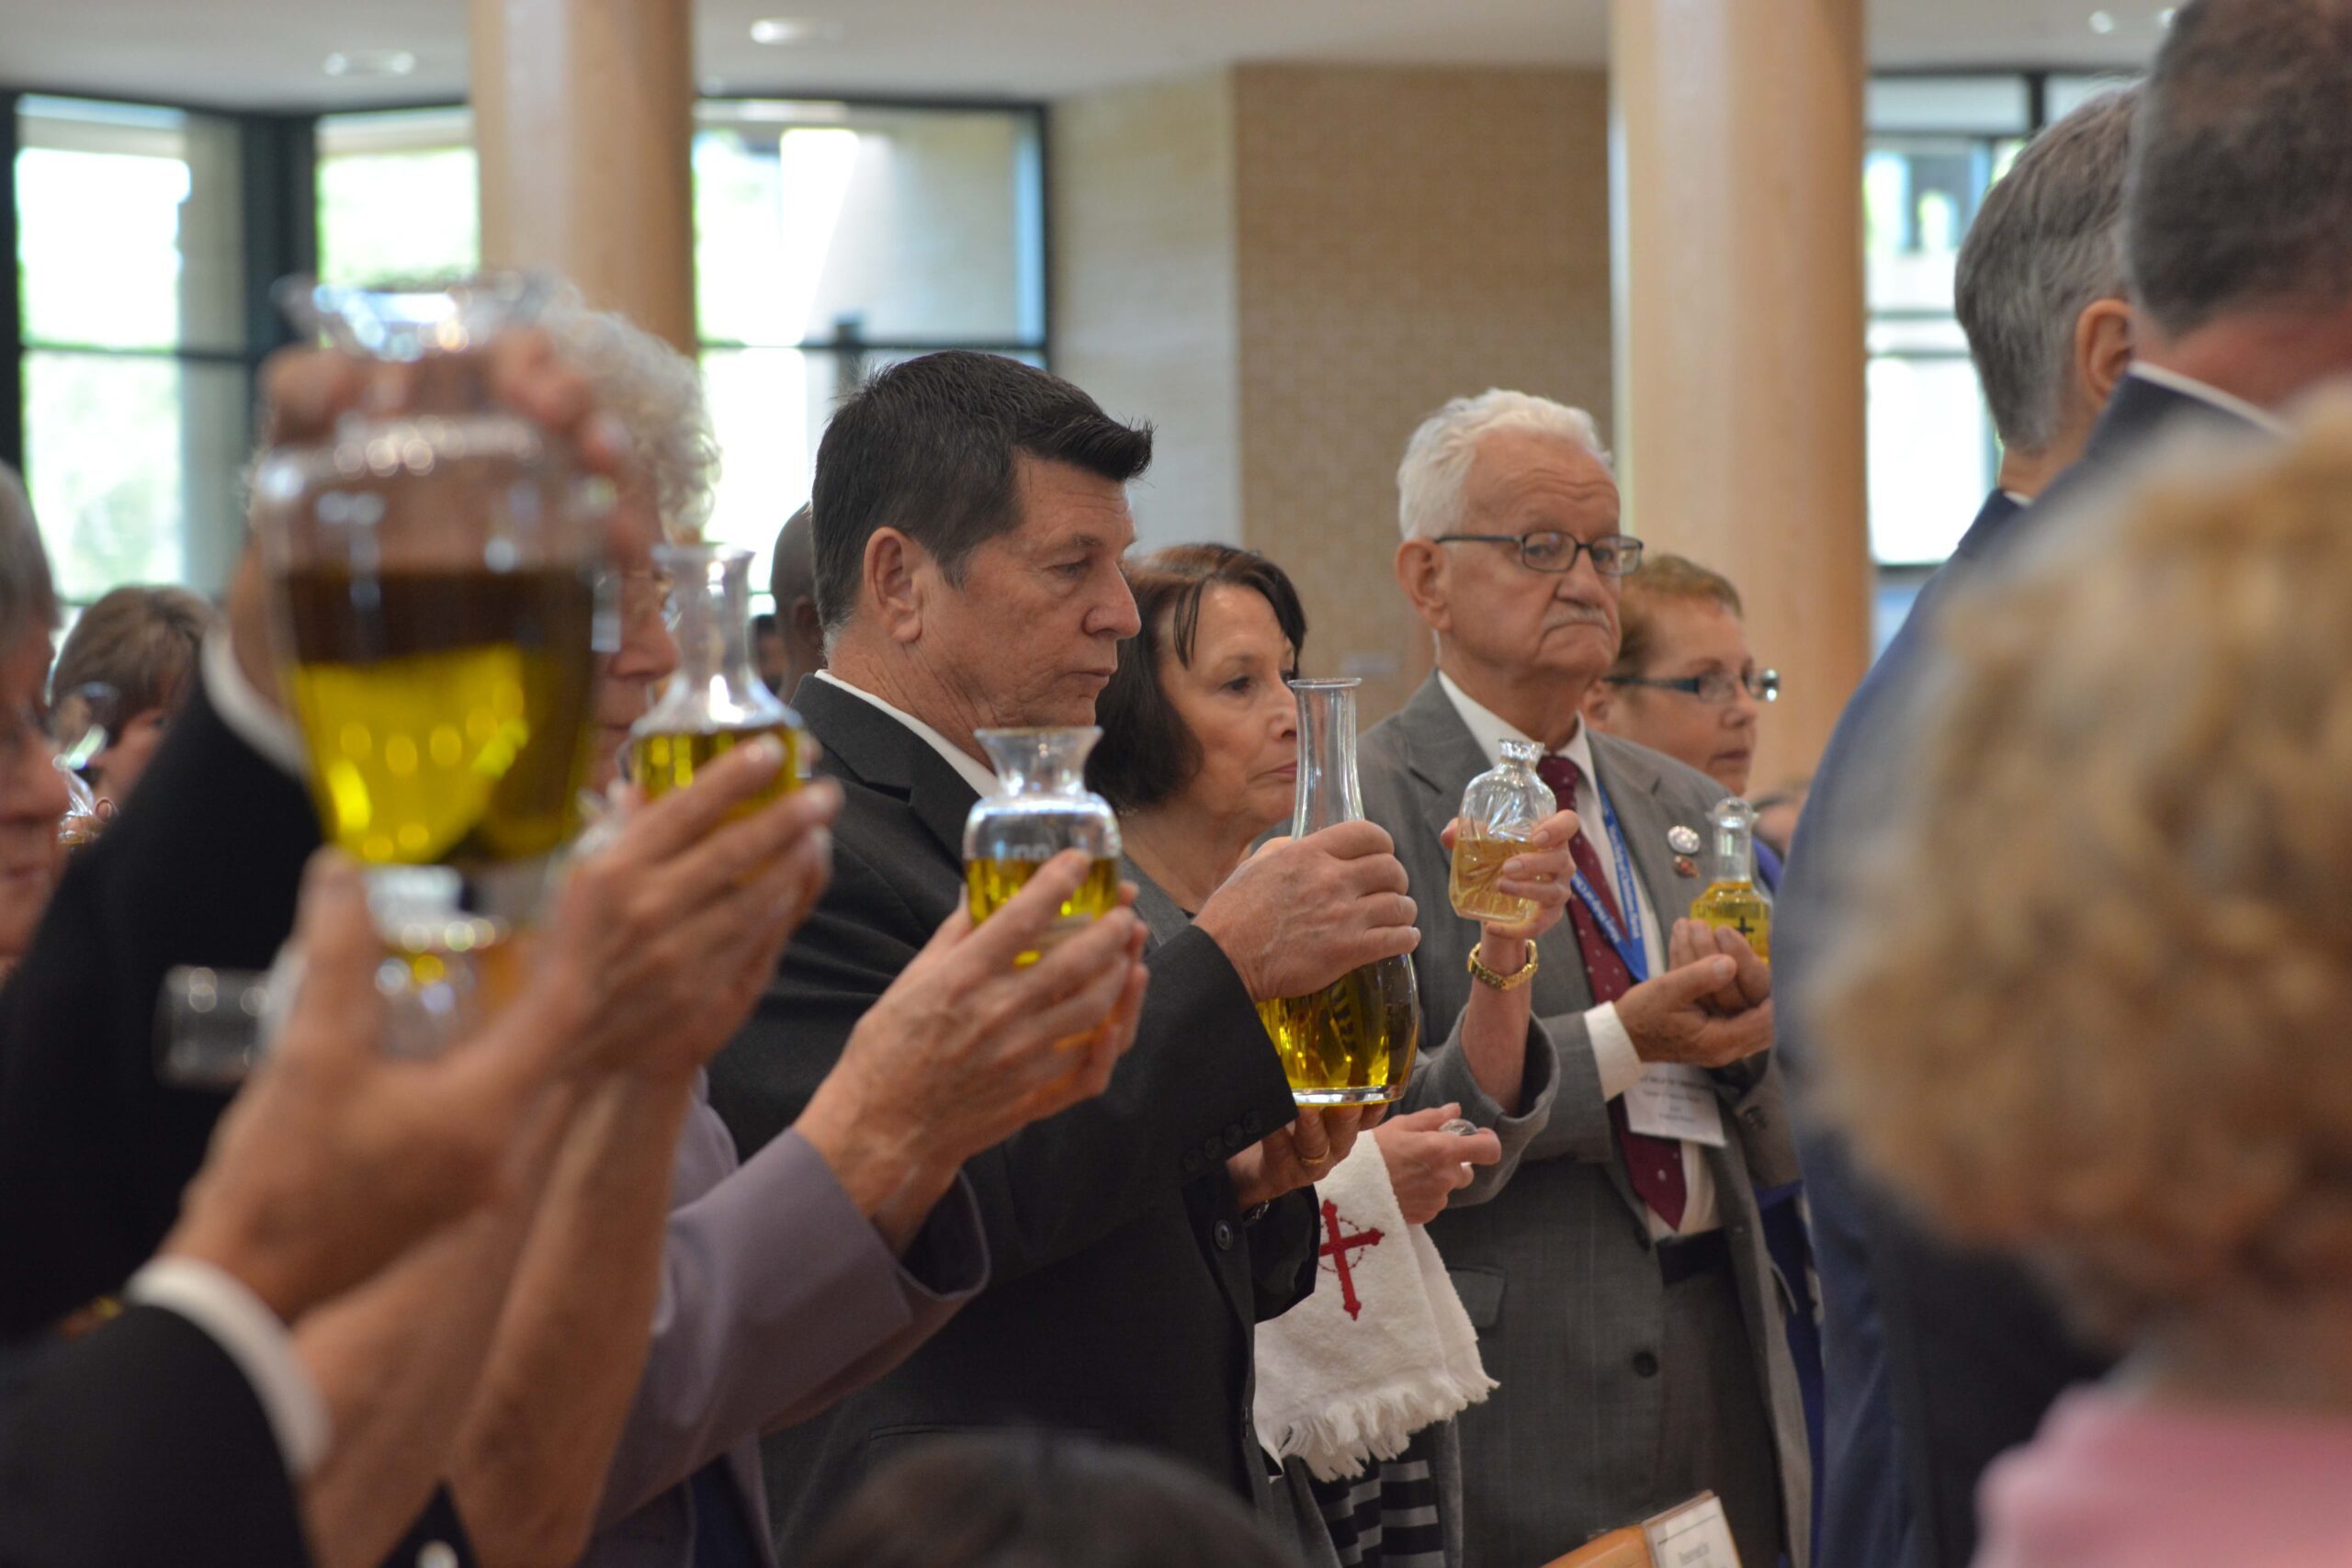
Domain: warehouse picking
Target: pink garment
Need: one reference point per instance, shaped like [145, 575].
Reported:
[2111, 1482]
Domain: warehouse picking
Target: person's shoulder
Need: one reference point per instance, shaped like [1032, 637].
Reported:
[1681, 787]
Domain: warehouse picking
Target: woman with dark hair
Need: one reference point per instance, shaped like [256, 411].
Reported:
[1200, 756]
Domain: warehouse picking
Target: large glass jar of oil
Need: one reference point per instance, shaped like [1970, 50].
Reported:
[1351, 1042]
[1500, 811]
[715, 700]
[1731, 900]
[1040, 808]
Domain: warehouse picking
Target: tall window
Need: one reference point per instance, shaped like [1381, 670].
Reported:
[131, 291]
[1936, 143]
[832, 239]
[396, 193]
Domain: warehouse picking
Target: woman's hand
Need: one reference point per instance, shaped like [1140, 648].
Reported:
[1301, 1154]
[1427, 1164]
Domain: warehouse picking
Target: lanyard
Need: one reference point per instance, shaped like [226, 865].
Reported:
[1628, 942]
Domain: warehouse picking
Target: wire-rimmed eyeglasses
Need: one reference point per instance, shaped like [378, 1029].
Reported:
[1550, 550]
[1715, 687]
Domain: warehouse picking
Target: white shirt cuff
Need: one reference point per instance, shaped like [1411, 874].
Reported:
[248, 714]
[219, 1303]
[1612, 1050]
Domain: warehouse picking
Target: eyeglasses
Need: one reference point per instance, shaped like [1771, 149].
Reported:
[1715, 688]
[628, 603]
[1549, 549]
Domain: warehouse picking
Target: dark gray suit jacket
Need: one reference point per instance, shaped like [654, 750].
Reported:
[1557, 1271]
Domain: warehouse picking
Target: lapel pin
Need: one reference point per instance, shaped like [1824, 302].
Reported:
[1685, 867]
[1682, 841]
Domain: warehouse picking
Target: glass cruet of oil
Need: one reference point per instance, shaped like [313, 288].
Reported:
[1040, 807]
[715, 700]
[1731, 900]
[1352, 1043]
[1500, 811]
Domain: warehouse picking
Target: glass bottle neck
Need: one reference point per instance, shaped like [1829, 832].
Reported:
[713, 611]
[1327, 790]
[1039, 761]
[1735, 852]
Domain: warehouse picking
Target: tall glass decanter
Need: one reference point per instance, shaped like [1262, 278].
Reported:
[1731, 899]
[1352, 1043]
[1040, 807]
[433, 578]
[715, 701]
[1500, 811]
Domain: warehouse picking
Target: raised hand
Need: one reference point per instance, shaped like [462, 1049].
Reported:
[1751, 986]
[968, 1047]
[1302, 912]
[1428, 1165]
[1671, 1017]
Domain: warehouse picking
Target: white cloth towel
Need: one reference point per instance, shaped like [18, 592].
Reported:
[1381, 1350]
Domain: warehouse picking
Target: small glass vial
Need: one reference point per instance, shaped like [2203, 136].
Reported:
[1731, 900]
[1040, 808]
[716, 700]
[1500, 811]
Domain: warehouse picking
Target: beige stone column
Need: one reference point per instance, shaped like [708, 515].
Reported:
[583, 115]
[1736, 140]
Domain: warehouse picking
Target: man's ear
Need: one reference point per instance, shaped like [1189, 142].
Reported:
[2102, 349]
[1421, 572]
[892, 583]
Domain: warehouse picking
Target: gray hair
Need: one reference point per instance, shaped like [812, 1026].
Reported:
[2240, 193]
[656, 394]
[2047, 243]
[27, 593]
[1437, 459]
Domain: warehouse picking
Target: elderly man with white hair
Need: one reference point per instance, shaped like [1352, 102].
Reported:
[1620, 1284]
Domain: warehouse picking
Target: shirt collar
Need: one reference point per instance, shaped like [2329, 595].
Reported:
[967, 767]
[2229, 402]
[1489, 729]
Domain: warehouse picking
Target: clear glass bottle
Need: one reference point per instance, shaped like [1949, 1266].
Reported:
[1731, 899]
[1040, 808]
[715, 701]
[1352, 1043]
[433, 574]
[1500, 811]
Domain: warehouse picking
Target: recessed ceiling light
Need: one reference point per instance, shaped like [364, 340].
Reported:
[371, 62]
[794, 30]
[2101, 22]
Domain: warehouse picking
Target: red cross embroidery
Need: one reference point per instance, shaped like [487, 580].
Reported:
[1337, 1245]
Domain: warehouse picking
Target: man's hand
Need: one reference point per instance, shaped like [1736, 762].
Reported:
[1300, 1154]
[1302, 912]
[337, 1159]
[1542, 874]
[1671, 1017]
[1751, 986]
[1427, 1164]
[967, 1047]
[677, 924]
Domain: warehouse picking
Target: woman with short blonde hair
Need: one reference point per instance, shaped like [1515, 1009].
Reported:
[2094, 1001]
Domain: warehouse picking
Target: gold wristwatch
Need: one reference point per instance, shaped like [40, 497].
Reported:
[1486, 977]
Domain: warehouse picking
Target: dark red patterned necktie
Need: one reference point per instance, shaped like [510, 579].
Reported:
[1655, 1165]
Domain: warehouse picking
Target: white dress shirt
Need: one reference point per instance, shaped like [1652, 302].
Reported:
[234, 1318]
[2190, 387]
[1613, 1049]
[979, 776]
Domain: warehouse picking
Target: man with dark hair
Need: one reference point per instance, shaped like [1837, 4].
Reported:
[970, 512]
[2237, 242]
[798, 637]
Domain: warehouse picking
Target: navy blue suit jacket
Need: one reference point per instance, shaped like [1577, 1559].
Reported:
[1936, 1359]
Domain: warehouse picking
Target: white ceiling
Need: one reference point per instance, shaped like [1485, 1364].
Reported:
[271, 53]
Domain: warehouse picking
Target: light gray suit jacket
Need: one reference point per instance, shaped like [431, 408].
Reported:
[1440, 1077]
[1557, 1271]
[777, 1298]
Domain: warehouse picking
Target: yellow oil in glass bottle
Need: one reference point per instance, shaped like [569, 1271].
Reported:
[715, 701]
[1040, 808]
[1731, 901]
[1501, 808]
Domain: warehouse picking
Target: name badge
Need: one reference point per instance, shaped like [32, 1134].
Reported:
[1676, 1100]
[1695, 1535]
